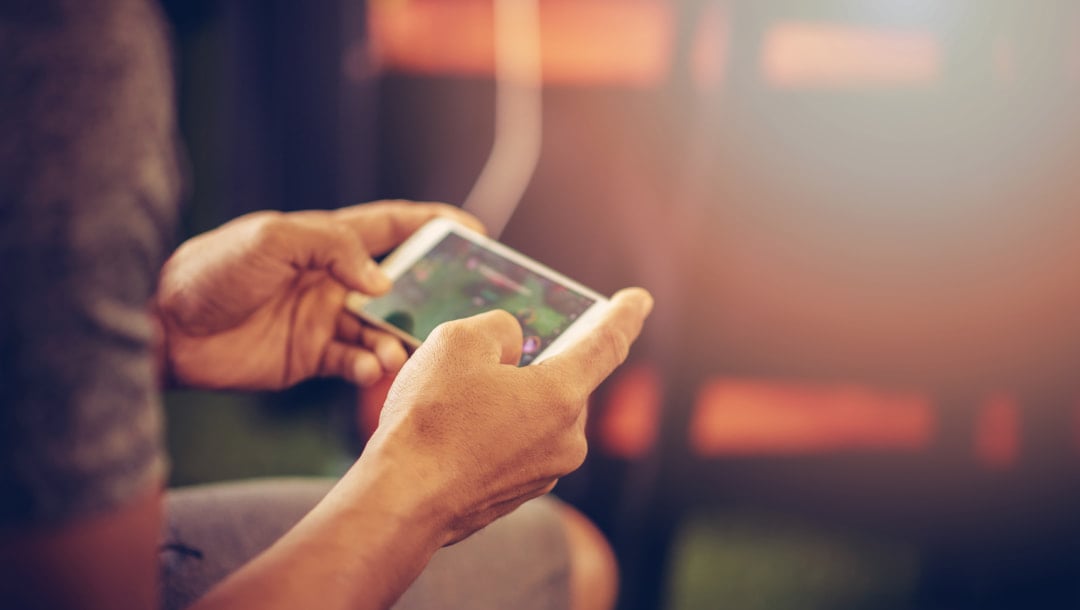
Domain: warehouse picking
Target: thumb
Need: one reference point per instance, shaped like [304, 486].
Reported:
[591, 358]
[493, 336]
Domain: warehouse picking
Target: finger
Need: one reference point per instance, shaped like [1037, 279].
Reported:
[349, 328]
[505, 329]
[590, 359]
[389, 349]
[352, 363]
[383, 225]
[493, 336]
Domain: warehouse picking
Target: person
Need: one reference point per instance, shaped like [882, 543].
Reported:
[92, 322]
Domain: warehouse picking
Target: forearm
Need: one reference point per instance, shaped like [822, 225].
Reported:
[360, 547]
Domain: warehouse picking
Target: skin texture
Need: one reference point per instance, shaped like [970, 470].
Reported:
[522, 428]
[89, 147]
[465, 435]
[257, 303]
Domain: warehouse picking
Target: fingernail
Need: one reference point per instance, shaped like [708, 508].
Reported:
[367, 371]
[649, 302]
[643, 298]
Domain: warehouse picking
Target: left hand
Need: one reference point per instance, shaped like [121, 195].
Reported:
[258, 302]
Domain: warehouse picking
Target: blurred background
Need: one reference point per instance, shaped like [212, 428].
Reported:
[860, 220]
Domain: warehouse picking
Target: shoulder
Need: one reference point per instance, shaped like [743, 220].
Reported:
[88, 190]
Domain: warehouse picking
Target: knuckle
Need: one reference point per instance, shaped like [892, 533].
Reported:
[560, 397]
[267, 226]
[340, 231]
[495, 323]
[615, 346]
[503, 321]
[567, 400]
[343, 237]
[457, 332]
[576, 454]
[449, 332]
[571, 395]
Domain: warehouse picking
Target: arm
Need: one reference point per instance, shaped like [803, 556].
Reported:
[440, 465]
[106, 562]
[76, 309]
[466, 436]
[359, 548]
[258, 302]
[88, 185]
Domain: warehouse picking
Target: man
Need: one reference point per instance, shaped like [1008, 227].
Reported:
[88, 325]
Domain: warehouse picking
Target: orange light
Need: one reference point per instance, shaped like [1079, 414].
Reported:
[628, 426]
[997, 432]
[744, 417]
[819, 55]
[618, 42]
[433, 37]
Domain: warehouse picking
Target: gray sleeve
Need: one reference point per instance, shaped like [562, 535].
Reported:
[521, 561]
[88, 190]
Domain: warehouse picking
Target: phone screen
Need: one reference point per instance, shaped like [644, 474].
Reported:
[458, 278]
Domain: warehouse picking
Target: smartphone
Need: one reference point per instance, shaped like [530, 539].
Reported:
[446, 271]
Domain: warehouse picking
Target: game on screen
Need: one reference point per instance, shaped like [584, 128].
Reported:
[459, 278]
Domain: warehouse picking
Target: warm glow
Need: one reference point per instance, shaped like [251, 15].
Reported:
[631, 43]
[997, 432]
[710, 47]
[820, 55]
[741, 417]
[437, 37]
[622, 42]
[628, 425]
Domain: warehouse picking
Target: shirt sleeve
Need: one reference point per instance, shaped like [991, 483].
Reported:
[88, 191]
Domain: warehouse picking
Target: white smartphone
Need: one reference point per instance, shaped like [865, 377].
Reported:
[446, 271]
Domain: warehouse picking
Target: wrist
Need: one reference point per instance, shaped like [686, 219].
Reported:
[360, 547]
[399, 493]
[374, 522]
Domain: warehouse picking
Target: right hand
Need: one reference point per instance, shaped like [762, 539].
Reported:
[477, 435]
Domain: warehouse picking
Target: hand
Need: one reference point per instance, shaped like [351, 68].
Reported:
[257, 303]
[477, 436]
